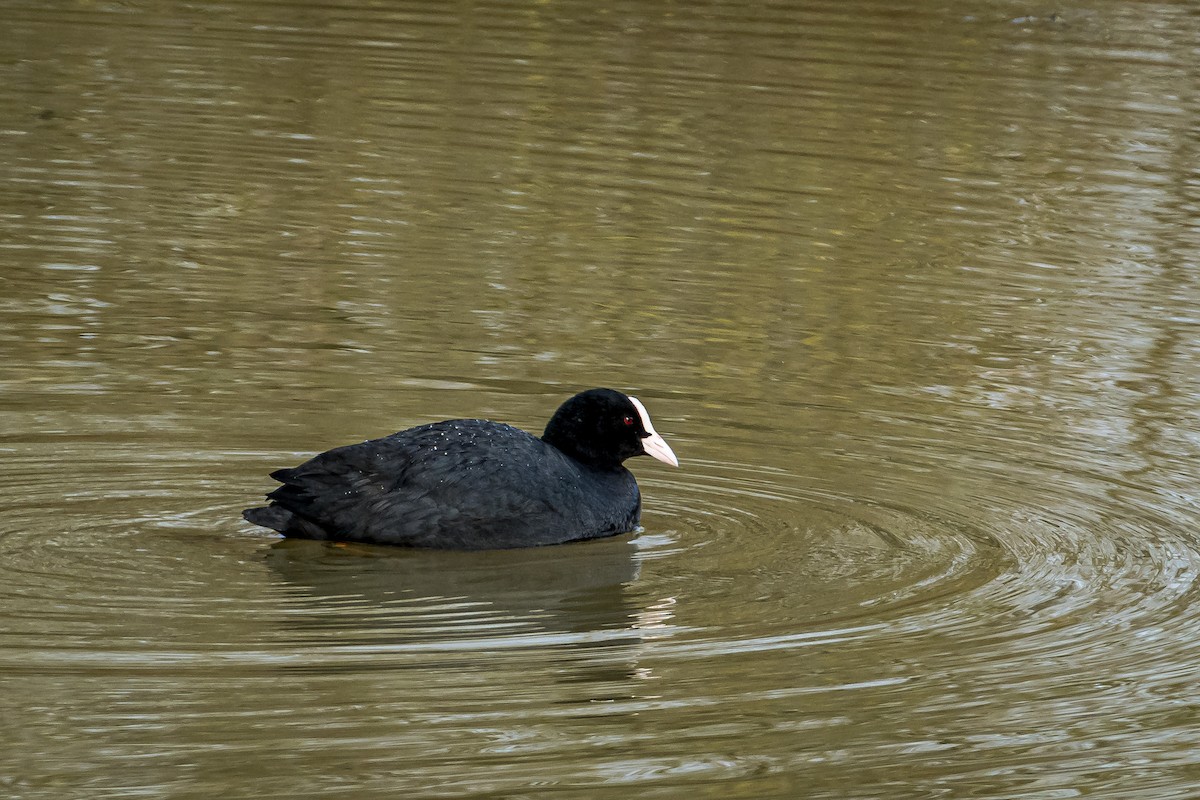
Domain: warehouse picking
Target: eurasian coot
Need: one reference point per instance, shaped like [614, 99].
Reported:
[472, 484]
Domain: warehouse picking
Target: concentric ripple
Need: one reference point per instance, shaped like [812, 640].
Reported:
[995, 570]
[123, 557]
[814, 558]
[750, 605]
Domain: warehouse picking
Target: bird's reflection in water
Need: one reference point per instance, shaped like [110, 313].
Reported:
[381, 607]
[369, 593]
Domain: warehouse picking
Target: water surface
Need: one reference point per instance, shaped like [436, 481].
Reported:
[912, 294]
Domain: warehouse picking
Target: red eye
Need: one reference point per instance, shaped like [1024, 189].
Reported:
[628, 420]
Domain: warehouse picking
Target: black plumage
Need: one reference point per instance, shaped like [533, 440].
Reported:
[474, 484]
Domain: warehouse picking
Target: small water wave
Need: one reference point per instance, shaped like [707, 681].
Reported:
[750, 591]
[120, 554]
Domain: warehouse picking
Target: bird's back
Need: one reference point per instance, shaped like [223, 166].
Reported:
[454, 484]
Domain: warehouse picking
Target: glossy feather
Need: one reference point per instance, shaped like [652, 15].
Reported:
[470, 484]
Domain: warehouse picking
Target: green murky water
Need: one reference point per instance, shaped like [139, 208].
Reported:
[912, 292]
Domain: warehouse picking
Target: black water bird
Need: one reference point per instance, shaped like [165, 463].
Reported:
[472, 484]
